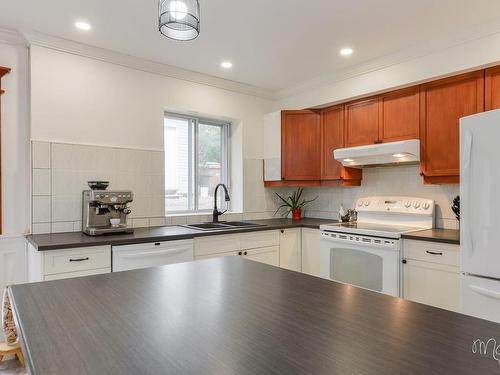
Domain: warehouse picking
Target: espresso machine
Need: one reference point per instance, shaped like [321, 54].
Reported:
[105, 211]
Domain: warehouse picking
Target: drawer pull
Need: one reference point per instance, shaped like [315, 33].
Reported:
[79, 259]
[433, 252]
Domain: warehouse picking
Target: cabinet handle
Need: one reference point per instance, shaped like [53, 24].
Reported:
[433, 252]
[79, 259]
[240, 253]
[245, 253]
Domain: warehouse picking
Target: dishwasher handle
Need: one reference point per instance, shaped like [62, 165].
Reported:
[142, 254]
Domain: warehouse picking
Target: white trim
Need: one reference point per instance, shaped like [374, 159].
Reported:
[105, 55]
[11, 37]
[96, 145]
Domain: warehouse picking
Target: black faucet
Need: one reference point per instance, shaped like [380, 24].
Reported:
[216, 212]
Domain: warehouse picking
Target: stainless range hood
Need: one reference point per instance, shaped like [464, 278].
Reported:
[402, 152]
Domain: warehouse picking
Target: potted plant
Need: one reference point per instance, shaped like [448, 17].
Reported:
[294, 204]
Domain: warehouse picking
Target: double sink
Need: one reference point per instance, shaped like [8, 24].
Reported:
[223, 225]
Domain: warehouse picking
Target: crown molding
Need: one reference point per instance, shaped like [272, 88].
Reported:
[444, 42]
[9, 36]
[117, 58]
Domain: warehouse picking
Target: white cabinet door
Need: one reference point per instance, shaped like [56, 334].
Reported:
[433, 284]
[267, 255]
[311, 251]
[272, 146]
[291, 249]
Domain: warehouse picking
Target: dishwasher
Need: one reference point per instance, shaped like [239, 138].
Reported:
[153, 254]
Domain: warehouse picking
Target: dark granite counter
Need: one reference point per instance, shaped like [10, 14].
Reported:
[54, 241]
[234, 316]
[450, 236]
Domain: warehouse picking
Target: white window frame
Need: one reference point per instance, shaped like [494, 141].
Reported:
[193, 199]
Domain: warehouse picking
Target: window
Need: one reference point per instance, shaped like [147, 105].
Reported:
[196, 160]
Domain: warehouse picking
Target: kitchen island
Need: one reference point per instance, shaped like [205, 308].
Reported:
[234, 316]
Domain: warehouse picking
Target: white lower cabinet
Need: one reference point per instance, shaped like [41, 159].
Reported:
[291, 249]
[310, 251]
[262, 246]
[431, 274]
[66, 263]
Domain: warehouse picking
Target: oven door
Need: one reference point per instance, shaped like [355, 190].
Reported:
[367, 262]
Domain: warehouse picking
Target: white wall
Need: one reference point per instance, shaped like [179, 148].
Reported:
[80, 100]
[15, 163]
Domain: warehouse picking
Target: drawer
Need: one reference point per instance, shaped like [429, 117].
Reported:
[254, 240]
[68, 275]
[433, 252]
[216, 244]
[78, 259]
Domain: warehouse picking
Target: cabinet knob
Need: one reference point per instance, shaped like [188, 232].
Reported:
[282, 231]
[245, 253]
[403, 261]
[240, 253]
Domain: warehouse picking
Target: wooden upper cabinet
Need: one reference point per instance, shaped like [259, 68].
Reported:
[332, 135]
[399, 114]
[492, 88]
[301, 145]
[362, 122]
[332, 128]
[443, 103]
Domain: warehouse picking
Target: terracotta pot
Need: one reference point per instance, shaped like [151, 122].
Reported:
[296, 214]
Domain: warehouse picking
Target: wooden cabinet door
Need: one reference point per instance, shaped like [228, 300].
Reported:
[399, 113]
[362, 122]
[442, 104]
[332, 129]
[332, 135]
[291, 249]
[301, 145]
[492, 88]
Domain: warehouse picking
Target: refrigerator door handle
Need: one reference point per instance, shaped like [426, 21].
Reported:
[466, 158]
[485, 292]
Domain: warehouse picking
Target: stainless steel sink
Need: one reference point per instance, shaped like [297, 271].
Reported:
[223, 225]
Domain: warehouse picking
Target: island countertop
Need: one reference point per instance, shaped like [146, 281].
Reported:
[235, 316]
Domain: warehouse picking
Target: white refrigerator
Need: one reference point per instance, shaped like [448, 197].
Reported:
[480, 214]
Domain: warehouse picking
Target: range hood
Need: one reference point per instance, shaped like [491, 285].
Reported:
[402, 152]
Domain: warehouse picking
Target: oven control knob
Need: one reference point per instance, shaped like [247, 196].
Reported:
[416, 204]
[407, 204]
[360, 203]
[367, 203]
[113, 198]
[426, 206]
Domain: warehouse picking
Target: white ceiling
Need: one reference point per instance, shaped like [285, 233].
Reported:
[273, 44]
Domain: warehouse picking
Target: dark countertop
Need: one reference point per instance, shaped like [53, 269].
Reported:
[234, 316]
[451, 236]
[55, 241]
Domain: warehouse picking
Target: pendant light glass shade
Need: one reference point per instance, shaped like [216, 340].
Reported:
[179, 19]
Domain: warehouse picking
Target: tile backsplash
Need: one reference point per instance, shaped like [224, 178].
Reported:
[60, 173]
[399, 181]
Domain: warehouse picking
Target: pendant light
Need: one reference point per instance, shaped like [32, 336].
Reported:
[179, 19]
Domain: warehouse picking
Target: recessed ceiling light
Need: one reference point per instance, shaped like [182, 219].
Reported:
[348, 160]
[226, 64]
[82, 25]
[346, 51]
[399, 155]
